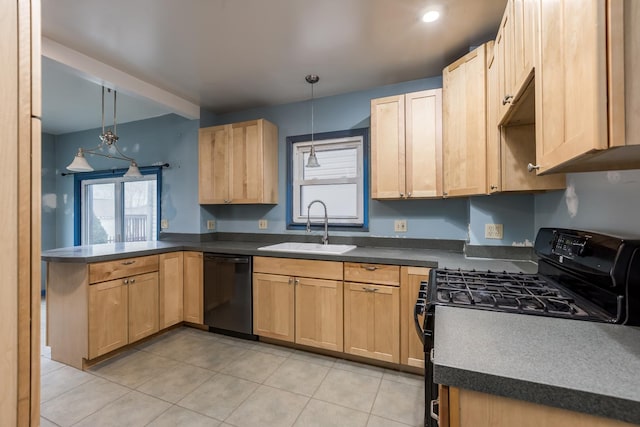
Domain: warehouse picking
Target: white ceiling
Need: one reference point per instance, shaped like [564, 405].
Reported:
[228, 55]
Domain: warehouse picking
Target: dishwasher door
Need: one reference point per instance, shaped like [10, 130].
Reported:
[228, 305]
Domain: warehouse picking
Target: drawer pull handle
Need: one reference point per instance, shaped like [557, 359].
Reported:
[128, 262]
[369, 267]
[434, 404]
[369, 289]
[431, 355]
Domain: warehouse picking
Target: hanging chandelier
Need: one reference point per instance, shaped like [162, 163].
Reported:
[312, 161]
[108, 144]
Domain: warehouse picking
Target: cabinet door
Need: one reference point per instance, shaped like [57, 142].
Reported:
[571, 82]
[318, 314]
[213, 165]
[388, 148]
[494, 181]
[372, 321]
[423, 143]
[411, 349]
[193, 288]
[273, 306]
[523, 48]
[171, 289]
[246, 162]
[504, 54]
[108, 314]
[143, 306]
[464, 130]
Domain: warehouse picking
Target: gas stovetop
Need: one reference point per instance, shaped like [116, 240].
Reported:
[502, 291]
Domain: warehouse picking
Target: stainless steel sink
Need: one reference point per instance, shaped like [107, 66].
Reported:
[308, 248]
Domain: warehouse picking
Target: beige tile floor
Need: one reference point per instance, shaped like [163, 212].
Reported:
[188, 377]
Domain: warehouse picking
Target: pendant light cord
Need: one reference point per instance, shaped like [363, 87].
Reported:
[312, 115]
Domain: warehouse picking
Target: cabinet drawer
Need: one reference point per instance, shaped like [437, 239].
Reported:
[110, 270]
[298, 267]
[372, 273]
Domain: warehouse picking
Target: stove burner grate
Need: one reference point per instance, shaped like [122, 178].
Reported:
[528, 293]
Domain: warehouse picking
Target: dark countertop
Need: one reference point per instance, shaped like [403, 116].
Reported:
[383, 255]
[577, 365]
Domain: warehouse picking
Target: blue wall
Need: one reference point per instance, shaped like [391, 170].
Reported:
[440, 219]
[604, 201]
[597, 201]
[169, 138]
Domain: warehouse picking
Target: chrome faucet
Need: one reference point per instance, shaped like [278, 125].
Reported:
[325, 238]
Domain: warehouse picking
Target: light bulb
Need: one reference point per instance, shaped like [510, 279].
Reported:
[431, 16]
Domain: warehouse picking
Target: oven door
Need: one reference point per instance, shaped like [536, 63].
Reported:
[424, 322]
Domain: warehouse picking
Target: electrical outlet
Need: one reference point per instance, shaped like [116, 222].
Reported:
[400, 225]
[211, 224]
[493, 231]
[164, 223]
[263, 224]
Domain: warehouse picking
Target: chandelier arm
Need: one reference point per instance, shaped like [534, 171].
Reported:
[122, 154]
[111, 156]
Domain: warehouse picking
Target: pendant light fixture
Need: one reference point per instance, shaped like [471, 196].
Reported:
[108, 140]
[312, 162]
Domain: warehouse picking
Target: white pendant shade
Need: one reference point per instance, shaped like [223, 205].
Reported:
[80, 164]
[133, 172]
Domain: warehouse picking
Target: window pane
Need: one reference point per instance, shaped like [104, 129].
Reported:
[140, 211]
[339, 163]
[101, 208]
[341, 200]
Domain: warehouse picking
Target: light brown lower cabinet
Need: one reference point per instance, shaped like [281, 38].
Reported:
[319, 319]
[171, 289]
[298, 301]
[466, 408]
[411, 348]
[122, 311]
[193, 288]
[372, 321]
[273, 306]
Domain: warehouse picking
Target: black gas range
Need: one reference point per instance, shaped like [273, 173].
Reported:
[581, 275]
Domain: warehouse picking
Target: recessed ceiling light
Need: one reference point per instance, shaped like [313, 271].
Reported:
[431, 16]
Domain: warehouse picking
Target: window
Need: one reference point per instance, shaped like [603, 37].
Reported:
[110, 208]
[340, 181]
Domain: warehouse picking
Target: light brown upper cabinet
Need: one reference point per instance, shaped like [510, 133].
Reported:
[515, 48]
[464, 125]
[238, 163]
[587, 90]
[511, 148]
[406, 146]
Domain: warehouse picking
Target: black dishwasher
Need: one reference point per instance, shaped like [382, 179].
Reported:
[228, 295]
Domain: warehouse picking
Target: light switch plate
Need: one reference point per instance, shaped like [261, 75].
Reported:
[164, 223]
[400, 225]
[493, 231]
[211, 224]
[263, 224]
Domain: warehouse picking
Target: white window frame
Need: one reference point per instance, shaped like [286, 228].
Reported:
[300, 152]
[119, 203]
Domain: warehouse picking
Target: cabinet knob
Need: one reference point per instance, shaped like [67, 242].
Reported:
[125, 281]
[296, 282]
[494, 187]
[531, 167]
[507, 99]
[132, 281]
[401, 194]
[408, 194]
[291, 280]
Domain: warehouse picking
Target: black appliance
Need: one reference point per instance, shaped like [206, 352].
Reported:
[581, 275]
[227, 301]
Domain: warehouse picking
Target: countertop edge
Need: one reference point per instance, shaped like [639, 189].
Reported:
[544, 394]
[382, 259]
